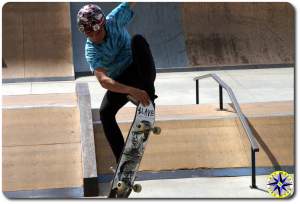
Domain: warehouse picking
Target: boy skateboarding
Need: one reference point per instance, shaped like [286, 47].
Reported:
[122, 64]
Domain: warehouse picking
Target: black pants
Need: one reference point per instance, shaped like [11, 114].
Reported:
[140, 74]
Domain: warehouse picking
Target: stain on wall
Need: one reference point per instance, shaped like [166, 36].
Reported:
[238, 33]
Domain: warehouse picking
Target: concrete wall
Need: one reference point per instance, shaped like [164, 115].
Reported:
[37, 41]
[238, 33]
[160, 23]
[207, 34]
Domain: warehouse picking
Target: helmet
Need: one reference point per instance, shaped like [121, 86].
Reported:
[90, 18]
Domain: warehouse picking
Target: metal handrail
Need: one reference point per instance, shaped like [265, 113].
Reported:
[245, 124]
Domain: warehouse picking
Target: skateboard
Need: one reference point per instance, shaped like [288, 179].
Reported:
[128, 165]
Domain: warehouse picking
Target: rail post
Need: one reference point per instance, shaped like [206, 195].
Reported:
[197, 91]
[221, 97]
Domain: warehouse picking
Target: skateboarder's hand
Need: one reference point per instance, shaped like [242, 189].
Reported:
[140, 95]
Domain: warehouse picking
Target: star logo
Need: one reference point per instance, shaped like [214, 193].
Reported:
[280, 184]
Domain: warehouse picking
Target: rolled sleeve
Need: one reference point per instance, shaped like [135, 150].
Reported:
[122, 14]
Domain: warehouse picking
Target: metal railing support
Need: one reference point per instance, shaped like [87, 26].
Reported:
[197, 92]
[253, 185]
[245, 124]
[220, 97]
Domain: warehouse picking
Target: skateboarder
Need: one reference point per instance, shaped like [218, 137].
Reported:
[123, 65]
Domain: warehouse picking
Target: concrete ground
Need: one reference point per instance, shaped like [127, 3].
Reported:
[203, 187]
[254, 85]
[218, 187]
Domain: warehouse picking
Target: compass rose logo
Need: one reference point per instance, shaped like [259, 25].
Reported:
[280, 184]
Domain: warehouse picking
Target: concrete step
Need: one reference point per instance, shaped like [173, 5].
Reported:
[41, 142]
[201, 136]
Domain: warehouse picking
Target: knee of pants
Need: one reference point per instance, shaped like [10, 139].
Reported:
[138, 40]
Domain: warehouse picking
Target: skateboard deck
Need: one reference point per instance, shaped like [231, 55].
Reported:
[128, 165]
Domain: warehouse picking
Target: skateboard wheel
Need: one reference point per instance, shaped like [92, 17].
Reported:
[121, 186]
[141, 127]
[156, 130]
[137, 188]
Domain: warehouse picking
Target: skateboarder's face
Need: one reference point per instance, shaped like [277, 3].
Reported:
[96, 36]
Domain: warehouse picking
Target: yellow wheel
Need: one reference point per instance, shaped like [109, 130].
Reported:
[121, 186]
[156, 130]
[141, 127]
[137, 188]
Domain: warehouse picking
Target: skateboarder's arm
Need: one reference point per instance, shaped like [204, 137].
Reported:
[114, 86]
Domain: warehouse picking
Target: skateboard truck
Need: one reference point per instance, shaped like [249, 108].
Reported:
[144, 127]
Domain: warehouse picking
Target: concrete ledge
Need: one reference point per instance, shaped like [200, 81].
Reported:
[201, 136]
[89, 165]
[41, 146]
